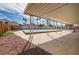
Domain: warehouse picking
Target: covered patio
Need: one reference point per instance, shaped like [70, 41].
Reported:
[58, 42]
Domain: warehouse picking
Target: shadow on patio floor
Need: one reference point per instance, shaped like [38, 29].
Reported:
[35, 51]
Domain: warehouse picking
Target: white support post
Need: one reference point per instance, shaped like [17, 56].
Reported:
[27, 45]
[65, 27]
[47, 25]
[61, 27]
[37, 20]
[56, 27]
[54, 24]
[30, 28]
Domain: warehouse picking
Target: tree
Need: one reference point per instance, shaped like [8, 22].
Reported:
[25, 20]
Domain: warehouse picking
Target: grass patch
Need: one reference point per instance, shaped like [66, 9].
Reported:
[7, 34]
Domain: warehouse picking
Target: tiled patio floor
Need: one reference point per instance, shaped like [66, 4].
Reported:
[68, 45]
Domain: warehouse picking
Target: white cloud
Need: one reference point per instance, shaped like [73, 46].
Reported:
[13, 7]
[15, 10]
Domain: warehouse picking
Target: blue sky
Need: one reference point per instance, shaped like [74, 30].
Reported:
[15, 12]
[12, 11]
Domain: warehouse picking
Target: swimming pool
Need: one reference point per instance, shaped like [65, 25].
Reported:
[39, 30]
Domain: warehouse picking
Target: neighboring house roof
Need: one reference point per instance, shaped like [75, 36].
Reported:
[13, 23]
[4, 20]
[0, 22]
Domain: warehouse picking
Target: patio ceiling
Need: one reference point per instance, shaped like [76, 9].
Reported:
[62, 12]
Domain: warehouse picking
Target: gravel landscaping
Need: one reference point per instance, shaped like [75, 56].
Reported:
[13, 45]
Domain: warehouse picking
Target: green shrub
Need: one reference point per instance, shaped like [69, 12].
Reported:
[7, 33]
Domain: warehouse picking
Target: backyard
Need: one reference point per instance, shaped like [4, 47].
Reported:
[11, 44]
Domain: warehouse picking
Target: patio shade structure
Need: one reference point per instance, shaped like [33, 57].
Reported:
[62, 12]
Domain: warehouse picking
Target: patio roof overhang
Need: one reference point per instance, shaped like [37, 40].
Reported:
[62, 12]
